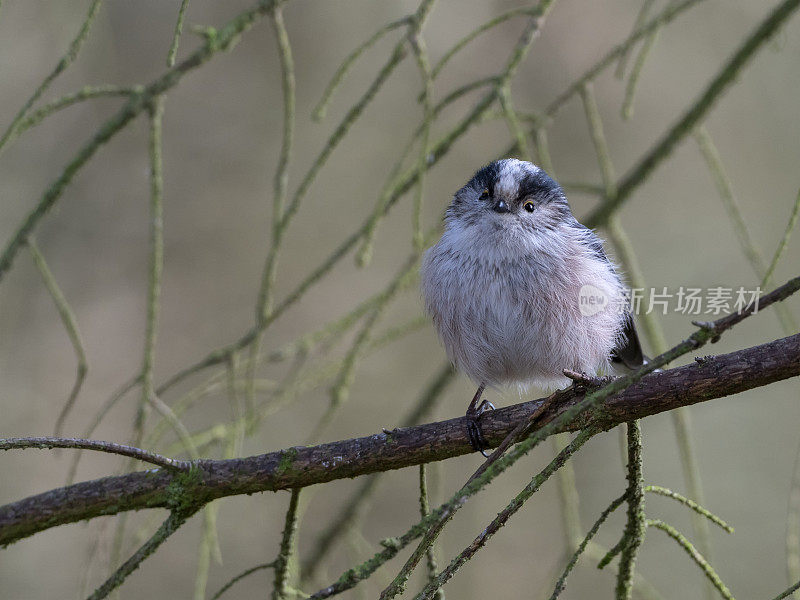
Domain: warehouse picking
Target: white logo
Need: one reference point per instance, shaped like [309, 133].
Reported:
[591, 300]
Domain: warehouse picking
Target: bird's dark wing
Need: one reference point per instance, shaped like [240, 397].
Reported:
[629, 353]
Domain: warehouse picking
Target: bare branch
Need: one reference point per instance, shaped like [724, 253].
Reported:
[710, 378]
[241, 576]
[721, 82]
[788, 592]
[280, 587]
[221, 40]
[168, 527]
[633, 537]
[693, 554]
[70, 324]
[505, 514]
[100, 446]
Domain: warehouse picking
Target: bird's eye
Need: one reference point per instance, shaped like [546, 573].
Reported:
[528, 206]
[485, 194]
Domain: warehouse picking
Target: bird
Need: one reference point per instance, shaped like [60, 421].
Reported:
[520, 291]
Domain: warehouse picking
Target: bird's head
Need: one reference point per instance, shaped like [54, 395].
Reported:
[510, 197]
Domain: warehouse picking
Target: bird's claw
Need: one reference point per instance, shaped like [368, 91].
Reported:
[476, 438]
[484, 407]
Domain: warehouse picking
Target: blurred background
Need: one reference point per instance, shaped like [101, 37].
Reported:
[222, 135]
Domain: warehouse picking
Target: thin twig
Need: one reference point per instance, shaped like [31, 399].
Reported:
[747, 243]
[156, 265]
[209, 544]
[694, 554]
[426, 403]
[712, 158]
[767, 279]
[633, 537]
[562, 580]
[168, 527]
[692, 117]
[97, 445]
[543, 150]
[662, 491]
[118, 395]
[281, 180]
[72, 53]
[301, 381]
[240, 576]
[85, 93]
[155, 268]
[340, 389]
[424, 511]
[641, 17]
[484, 27]
[423, 64]
[667, 15]
[636, 73]
[288, 541]
[176, 35]
[280, 191]
[70, 325]
[222, 40]
[512, 120]
[322, 106]
[503, 516]
[569, 499]
[788, 592]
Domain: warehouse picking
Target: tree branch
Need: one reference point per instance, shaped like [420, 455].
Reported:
[708, 378]
[79, 444]
[699, 109]
[215, 42]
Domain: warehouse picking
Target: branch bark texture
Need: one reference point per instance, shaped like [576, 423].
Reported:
[707, 378]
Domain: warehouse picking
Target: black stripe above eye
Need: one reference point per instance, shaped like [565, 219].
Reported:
[538, 185]
[485, 178]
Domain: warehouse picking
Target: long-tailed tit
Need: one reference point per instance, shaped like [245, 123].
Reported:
[519, 290]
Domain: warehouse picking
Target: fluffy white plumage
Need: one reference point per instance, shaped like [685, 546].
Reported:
[503, 285]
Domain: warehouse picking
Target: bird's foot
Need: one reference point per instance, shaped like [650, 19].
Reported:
[476, 438]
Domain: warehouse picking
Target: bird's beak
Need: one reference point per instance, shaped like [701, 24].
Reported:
[501, 207]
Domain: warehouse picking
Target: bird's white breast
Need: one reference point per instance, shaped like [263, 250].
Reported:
[507, 305]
